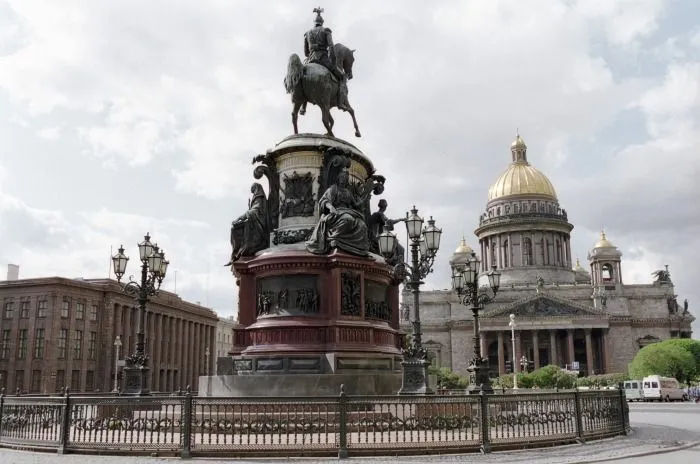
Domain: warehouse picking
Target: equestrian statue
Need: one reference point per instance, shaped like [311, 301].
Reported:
[322, 80]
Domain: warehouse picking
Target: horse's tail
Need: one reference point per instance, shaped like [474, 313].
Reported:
[295, 71]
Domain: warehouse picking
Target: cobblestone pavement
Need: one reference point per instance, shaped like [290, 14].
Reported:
[655, 428]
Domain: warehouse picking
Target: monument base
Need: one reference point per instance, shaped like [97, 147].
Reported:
[302, 385]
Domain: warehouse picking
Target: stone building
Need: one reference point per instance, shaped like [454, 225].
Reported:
[224, 336]
[565, 315]
[57, 332]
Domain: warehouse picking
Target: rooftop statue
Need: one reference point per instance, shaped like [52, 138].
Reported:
[323, 79]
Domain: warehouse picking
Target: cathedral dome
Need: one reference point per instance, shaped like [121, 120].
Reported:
[604, 242]
[521, 178]
[462, 254]
[463, 248]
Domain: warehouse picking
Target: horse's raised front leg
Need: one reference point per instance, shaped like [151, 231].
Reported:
[354, 121]
[327, 120]
[295, 113]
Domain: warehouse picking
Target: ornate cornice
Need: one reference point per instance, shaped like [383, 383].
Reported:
[508, 308]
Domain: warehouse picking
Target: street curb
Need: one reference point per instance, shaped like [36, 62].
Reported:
[672, 449]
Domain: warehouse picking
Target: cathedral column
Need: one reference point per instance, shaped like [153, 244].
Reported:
[589, 352]
[483, 344]
[553, 358]
[518, 351]
[570, 339]
[501, 355]
[536, 349]
[605, 351]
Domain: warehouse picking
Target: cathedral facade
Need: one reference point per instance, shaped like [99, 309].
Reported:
[581, 319]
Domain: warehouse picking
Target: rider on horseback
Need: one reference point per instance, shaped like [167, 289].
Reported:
[318, 48]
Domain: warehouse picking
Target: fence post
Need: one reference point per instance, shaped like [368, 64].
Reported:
[186, 452]
[2, 406]
[624, 408]
[484, 423]
[342, 424]
[579, 420]
[64, 431]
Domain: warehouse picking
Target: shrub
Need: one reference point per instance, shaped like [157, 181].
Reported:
[664, 358]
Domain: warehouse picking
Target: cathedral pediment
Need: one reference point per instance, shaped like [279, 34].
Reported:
[544, 305]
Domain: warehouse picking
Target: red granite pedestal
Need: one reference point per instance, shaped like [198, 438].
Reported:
[310, 323]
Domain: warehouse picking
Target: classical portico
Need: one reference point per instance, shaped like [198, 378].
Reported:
[549, 330]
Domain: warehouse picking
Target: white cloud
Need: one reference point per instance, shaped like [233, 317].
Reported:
[178, 97]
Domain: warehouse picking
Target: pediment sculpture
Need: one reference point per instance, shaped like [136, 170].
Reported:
[546, 307]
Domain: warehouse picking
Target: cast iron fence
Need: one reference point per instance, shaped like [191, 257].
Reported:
[187, 425]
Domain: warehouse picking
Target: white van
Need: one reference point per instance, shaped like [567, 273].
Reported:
[634, 390]
[657, 388]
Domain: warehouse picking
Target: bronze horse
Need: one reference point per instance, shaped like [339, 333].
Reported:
[316, 84]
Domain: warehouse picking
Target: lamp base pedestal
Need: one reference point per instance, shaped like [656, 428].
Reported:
[136, 380]
[415, 377]
[479, 380]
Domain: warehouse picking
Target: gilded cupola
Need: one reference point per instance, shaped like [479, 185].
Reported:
[520, 178]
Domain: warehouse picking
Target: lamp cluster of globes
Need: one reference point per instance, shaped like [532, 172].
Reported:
[466, 275]
[149, 254]
[428, 237]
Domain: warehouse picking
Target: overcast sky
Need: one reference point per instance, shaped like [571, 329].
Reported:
[121, 117]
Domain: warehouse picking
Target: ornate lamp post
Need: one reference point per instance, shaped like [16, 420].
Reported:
[117, 347]
[424, 243]
[465, 280]
[512, 339]
[153, 270]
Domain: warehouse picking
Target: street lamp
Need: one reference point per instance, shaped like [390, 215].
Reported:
[206, 361]
[465, 280]
[424, 243]
[153, 269]
[117, 347]
[512, 339]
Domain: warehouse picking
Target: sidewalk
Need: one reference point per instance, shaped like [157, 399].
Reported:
[644, 439]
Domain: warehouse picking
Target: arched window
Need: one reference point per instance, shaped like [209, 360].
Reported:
[557, 244]
[505, 253]
[527, 251]
[494, 260]
[543, 251]
[607, 272]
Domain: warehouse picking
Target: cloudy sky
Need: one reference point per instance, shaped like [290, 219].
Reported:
[121, 117]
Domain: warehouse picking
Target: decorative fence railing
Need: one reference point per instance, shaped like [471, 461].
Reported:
[341, 425]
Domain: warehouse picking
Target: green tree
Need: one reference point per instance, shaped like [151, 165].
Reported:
[665, 359]
[693, 347]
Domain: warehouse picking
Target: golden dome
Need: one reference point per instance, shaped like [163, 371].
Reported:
[578, 267]
[603, 242]
[520, 178]
[463, 247]
[518, 142]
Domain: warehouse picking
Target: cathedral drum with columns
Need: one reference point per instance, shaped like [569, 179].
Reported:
[564, 315]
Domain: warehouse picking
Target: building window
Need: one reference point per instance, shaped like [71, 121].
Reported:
[75, 381]
[558, 246]
[22, 345]
[527, 251]
[92, 344]
[78, 345]
[65, 308]
[505, 254]
[89, 381]
[36, 382]
[41, 308]
[3, 379]
[544, 251]
[9, 312]
[80, 310]
[24, 309]
[494, 261]
[5, 348]
[93, 312]
[39, 344]
[62, 343]
[60, 380]
[19, 381]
